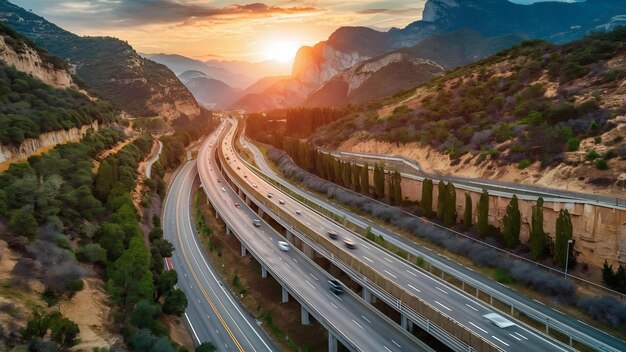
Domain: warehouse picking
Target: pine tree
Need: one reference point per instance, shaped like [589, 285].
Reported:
[563, 235]
[449, 212]
[426, 202]
[397, 187]
[482, 210]
[467, 212]
[379, 181]
[441, 199]
[365, 179]
[105, 178]
[538, 238]
[511, 223]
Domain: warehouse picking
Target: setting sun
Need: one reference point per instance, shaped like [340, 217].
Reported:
[282, 50]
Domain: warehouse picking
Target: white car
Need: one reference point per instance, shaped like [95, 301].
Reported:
[284, 246]
[223, 189]
[298, 212]
[498, 320]
[280, 201]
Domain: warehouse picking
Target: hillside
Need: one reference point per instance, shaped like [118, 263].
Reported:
[109, 67]
[29, 103]
[534, 106]
[212, 93]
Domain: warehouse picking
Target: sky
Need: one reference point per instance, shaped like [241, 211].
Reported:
[224, 30]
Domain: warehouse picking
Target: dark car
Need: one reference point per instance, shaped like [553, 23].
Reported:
[335, 286]
[332, 234]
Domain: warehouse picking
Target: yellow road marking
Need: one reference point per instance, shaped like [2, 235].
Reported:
[193, 273]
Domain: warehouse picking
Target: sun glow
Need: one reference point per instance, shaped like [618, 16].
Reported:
[282, 50]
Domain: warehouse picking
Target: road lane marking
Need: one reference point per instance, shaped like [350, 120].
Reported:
[313, 276]
[412, 273]
[368, 259]
[515, 337]
[389, 260]
[443, 305]
[479, 328]
[332, 304]
[395, 277]
[413, 287]
[504, 343]
[387, 348]
[357, 324]
[395, 343]
[471, 307]
[367, 320]
[310, 284]
[520, 335]
[437, 287]
[192, 329]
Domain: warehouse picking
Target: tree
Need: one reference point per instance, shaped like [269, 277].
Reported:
[379, 181]
[511, 223]
[93, 253]
[130, 279]
[397, 187]
[441, 199]
[356, 177]
[175, 303]
[64, 332]
[467, 212]
[23, 224]
[165, 282]
[482, 212]
[449, 211]
[365, 179]
[206, 347]
[608, 275]
[426, 202]
[563, 235]
[538, 238]
[105, 178]
[145, 314]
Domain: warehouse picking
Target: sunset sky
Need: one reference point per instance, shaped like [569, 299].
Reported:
[224, 29]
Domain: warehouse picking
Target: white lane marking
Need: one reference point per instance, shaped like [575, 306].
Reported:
[192, 329]
[332, 304]
[520, 335]
[357, 324]
[310, 284]
[217, 331]
[441, 290]
[471, 307]
[389, 260]
[294, 259]
[412, 273]
[387, 348]
[368, 259]
[313, 276]
[395, 343]
[395, 277]
[413, 287]
[504, 343]
[367, 320]
[515, 337]
[478, 327]
[443, 305]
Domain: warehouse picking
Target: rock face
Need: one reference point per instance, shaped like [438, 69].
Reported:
[47, 139]
[27, 59]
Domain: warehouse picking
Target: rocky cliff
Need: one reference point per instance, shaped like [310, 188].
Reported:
[27, 59]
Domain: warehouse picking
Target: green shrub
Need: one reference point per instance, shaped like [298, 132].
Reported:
[502, 276]
[601, 164]
[592, 155]
[573, 144]
[524, 164]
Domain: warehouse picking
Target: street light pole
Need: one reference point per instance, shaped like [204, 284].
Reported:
[567, 256]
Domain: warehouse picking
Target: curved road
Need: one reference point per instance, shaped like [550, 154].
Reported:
[153, 160]
[213, 313]
[448, 265]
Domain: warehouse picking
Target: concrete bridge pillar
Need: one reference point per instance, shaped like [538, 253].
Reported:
[263, 272]
[332, 342]
[243, 250]
[260, 212]
[304, 316]
[285, 296]
[366, 295]
[289, 236]
[308, 251]
[227, 231]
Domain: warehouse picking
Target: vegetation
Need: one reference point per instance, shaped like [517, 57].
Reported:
[511, 224]
[467, 212]
[538, 239]
[426, 202]
[614, 279]
[562, 256]
[482, 210]
[449, 205]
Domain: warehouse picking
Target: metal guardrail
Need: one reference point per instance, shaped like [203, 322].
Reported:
[521, 307]
[482, 183]
[426, 324]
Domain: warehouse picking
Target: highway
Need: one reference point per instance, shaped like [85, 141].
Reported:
[450, 301]
[361, 327]
[440, 261]
[213, 313]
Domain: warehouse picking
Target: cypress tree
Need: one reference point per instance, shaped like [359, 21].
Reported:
[511, 223]
[356, 176]
[347, 175]
[449, 212]
[426, 202]
[390, 192]
[379, 181]
[482, 210]
[608, 275]
[563, 234]
[538, 238]
[467, 212]
[397, 187]
[441, 199]
[365, 179]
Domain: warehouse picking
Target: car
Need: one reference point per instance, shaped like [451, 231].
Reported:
[255, 185]
[280, 201]
[245, 176]
[256, 222]
[237, 205]
[335, 286]
[223, 189]
[238, 168]
[349, 243]
[333, 235]
[284, 246]
[270, 195]
[498, 320]
[298, 212]
[218, 181]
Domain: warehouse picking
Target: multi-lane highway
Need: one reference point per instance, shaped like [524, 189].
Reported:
[444, 263]
[213, 314]
[450, 301]
[355, 322]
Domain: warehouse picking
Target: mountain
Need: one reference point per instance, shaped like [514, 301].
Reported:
[39, 95]
[212, 93]
[254, 71]
[407, 67]
[553, 21]
[189, 75]
[110, 67]
[263, 84]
